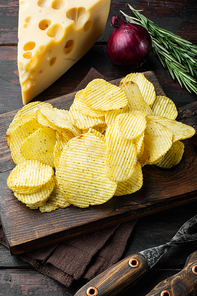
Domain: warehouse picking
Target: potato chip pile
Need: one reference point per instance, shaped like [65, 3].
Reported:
[95, 150]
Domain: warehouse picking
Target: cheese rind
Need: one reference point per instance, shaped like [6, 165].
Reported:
[53, 36]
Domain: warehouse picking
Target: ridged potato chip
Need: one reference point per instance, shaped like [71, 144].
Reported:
[60, 120]
[179, 130]
[55, 201]
[172, 157]
[110, 116]
[103, 96]
[81, 172]
[133, 184]
[97, 133]
[16, 123]
[83, 121]
[144, 157]
[29, 176]
[132, 125]
[31, 108]
[26, 111]
[59, 145]
[98, 147]
[135, 99]
[42, 119]
[165, 107]
[139, 142]
[39, 197]
[23, 115]
[40, 145]
[82, 107]
[146, 87]
[20, 134]
[158, 140]
[121, 155]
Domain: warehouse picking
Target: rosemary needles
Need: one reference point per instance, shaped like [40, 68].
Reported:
[176, 54]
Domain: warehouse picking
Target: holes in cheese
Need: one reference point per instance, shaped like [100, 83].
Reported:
[32, 63]
[58, 4]
[27, 85]
[78, 15]
[24, 76]
[23, 5]
[43, 3]
[87, 26]
[48, 55]
[52, 61]
[41, 49]
[56, 32]
[29, 45]
[44, 24]
[53, 36]
[32, 74]
[68, 46]
[27, 55]
[29, 21]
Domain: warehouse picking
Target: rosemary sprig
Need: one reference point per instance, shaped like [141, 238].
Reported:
[176, 54]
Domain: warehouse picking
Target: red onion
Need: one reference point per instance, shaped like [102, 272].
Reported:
[129, 44]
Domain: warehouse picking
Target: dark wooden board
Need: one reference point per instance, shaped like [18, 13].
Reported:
[27, 229]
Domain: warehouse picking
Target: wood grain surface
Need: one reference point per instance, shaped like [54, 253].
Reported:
[30, 229]
[178, 16]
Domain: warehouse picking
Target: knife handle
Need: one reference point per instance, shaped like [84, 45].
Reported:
[183, 283]
[116, 278]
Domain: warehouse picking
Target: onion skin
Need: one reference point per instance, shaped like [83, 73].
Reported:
[129, 44]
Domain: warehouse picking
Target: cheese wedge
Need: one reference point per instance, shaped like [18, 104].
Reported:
[53, 35]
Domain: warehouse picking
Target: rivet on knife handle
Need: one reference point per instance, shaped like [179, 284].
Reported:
[130, 269]
[183, 283]
[116, 278]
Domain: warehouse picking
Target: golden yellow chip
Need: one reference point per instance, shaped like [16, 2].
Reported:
[29, 176]
[121, 156]
[103, 96]
[165, 107]
[133, 184]
[146, 87]
[172, 157]
[40, 145]
[158, 140]
[60, 120]
[59, 145]
[17, 122]
[81, 106]
[144, 157]
[139, 142]
[83, 121]
[56, 200]
[132, 125]
[110, 116]
[38, 198]
[81, 172]
[42, 119]
[23, 115]
[31, 108]
[20, 134]
[135, 99]
[179, 130]
[96, 133]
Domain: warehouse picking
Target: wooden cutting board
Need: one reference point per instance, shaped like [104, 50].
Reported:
[27, 229]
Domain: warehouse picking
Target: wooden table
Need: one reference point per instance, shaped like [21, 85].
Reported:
[178, 16]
